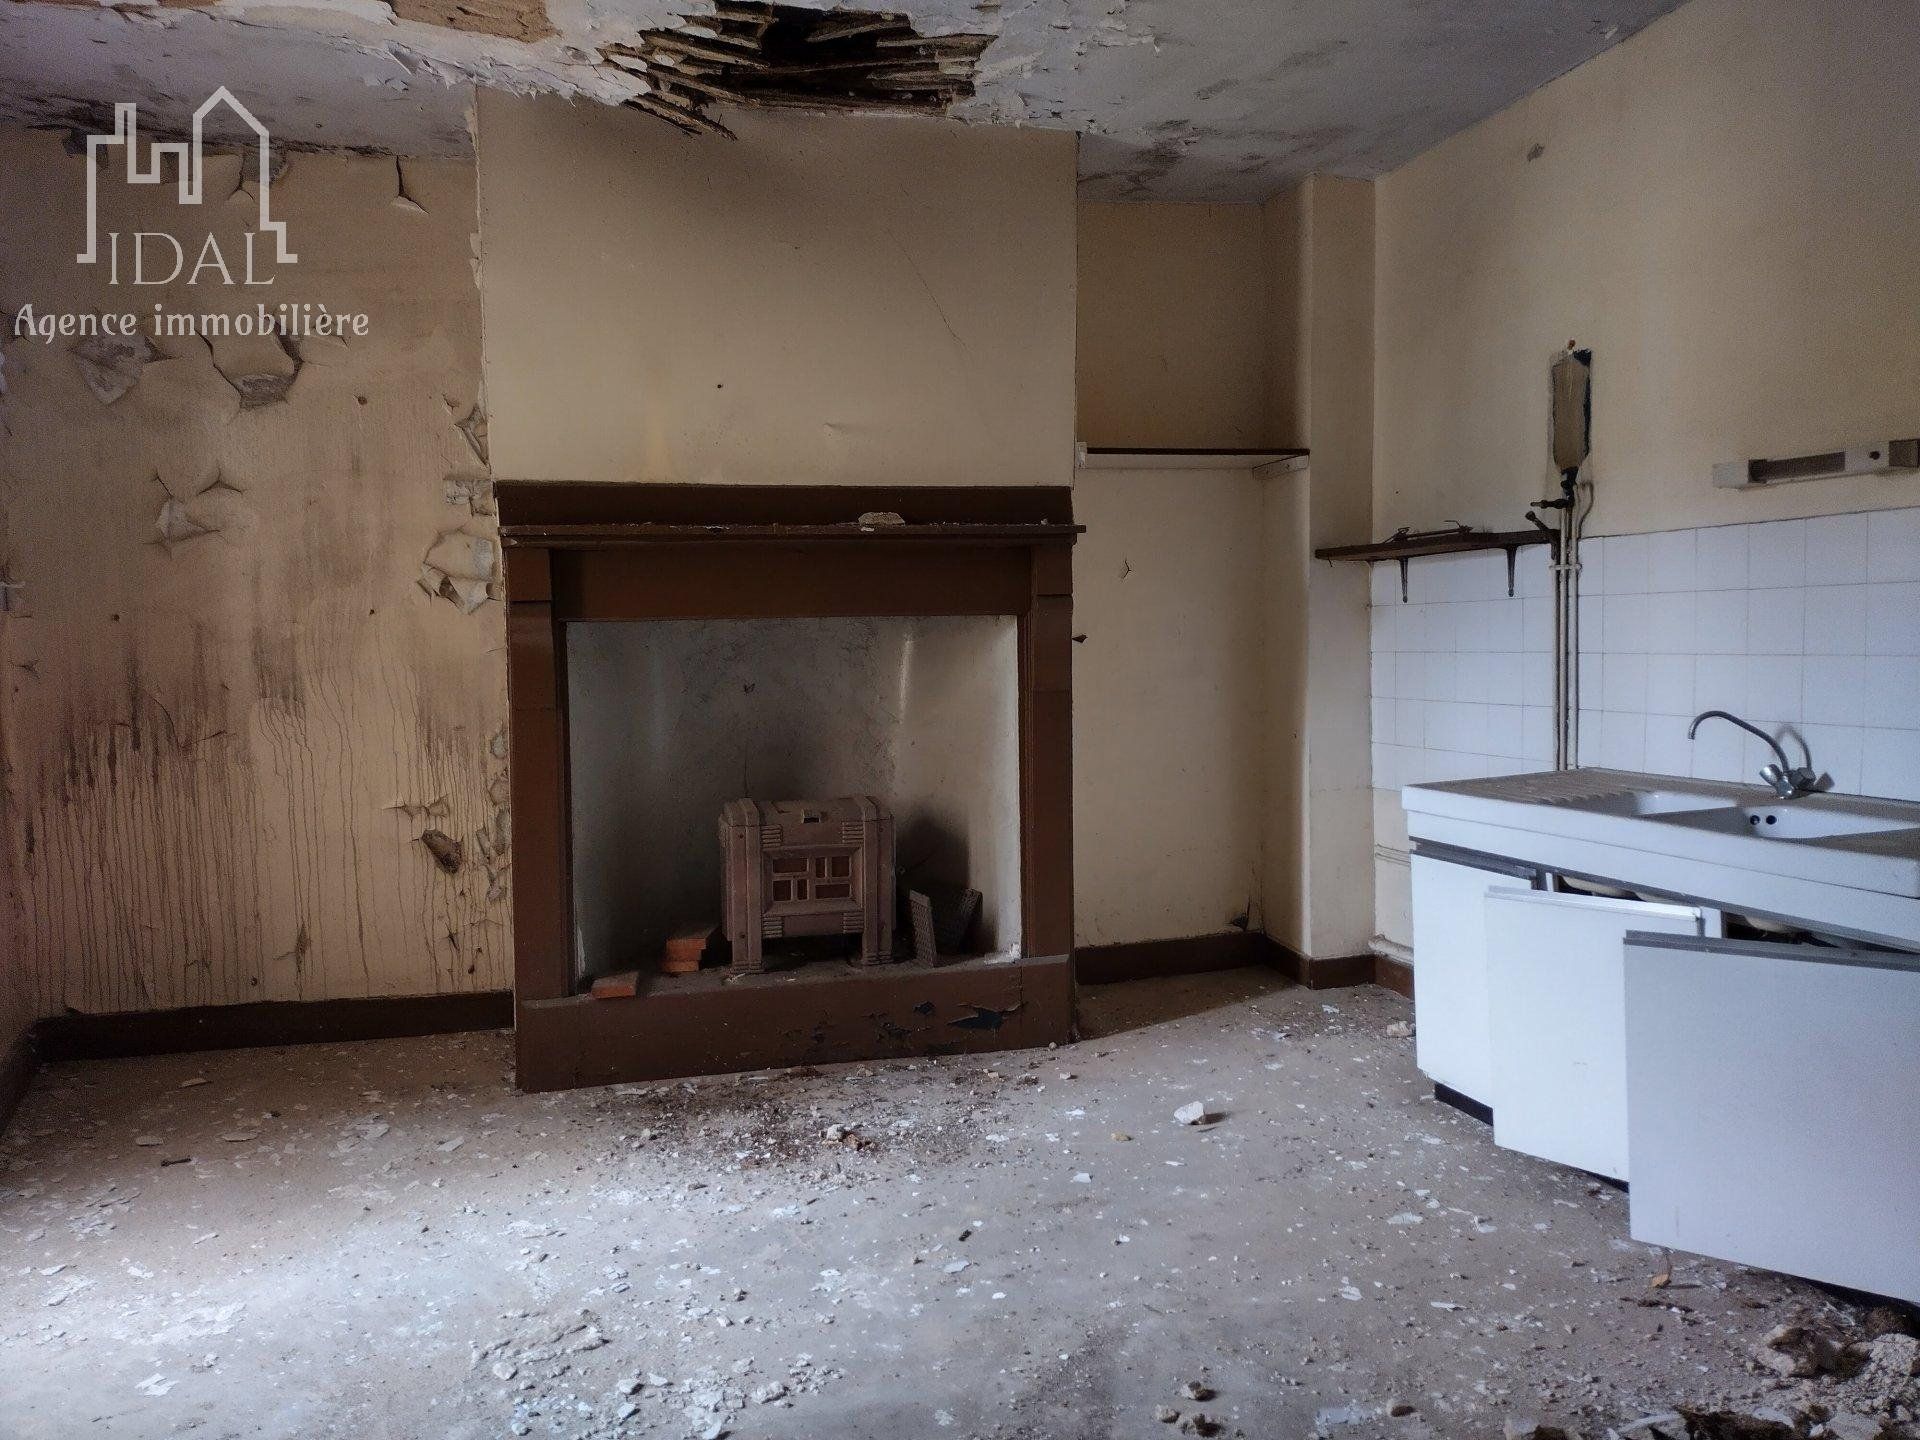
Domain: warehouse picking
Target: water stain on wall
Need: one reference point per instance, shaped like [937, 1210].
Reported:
[230, 712]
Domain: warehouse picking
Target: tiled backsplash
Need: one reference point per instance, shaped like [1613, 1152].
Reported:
[1809, 628]
[1462, 675]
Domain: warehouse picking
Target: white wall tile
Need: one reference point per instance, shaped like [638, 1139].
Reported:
[1890, 763]
[1623, 623]
[1893, 545]
[1410, 722]
[1592, 677]
[1720, 682]
[1473, 624]
[1670, 685]
[1506, 678]
[1893, 619]
[1590, 737]
[1623, 740]
[1720, 623]
[1774, 693]
[1893, 697]
[1835, 690]
[1670, 622]
[1536, 734]
[1669, 751]
[1382, 708]
[1593, 565]
[1670, 561]
[1470, 676]
[1837, 550]
[1836, 753]
[1409, 676]
[1383, 584]
[1720, 558]
[1836, 620]
[1536, 675]
[1719, 752]
[1505, 625]
[1592, 617]
[1776, 621]
[1532, 571]
[1385, 682]
[1777, 554]
[1505, 733]
[1536, 623]
[1627, 565]
[1623, 682]
[1382, 628]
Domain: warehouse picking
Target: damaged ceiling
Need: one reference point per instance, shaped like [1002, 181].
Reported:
[1229, 101]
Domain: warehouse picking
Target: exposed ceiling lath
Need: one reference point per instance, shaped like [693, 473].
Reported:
[752, 53]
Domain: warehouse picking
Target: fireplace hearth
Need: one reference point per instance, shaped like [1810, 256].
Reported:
[692, 619]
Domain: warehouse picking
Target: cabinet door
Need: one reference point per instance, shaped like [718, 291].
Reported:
[1451, 1044]
[1557, 1021]
[1771, 1107]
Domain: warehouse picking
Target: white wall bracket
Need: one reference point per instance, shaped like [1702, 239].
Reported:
[1876, 457]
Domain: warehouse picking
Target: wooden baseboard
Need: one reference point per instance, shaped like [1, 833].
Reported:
[75, 1036]
[1191, 955]
[17, 1064]
[1335, 972]
[1229, 950]
[1394, 975]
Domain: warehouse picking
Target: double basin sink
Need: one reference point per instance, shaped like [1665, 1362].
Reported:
[1855, 841]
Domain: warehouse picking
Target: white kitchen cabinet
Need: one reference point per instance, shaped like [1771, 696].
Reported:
[1556, 998]
[1771, 1114]
[1452, 1045]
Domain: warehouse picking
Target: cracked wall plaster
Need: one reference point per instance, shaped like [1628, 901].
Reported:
[227, 675]
[1229, 101]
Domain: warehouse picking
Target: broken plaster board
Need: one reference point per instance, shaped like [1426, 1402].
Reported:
[1232, 101]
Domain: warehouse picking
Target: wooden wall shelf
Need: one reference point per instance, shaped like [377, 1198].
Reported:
[1115, 457]
[1452, 542]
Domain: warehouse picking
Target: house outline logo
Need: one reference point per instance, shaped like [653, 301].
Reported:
[190, 191]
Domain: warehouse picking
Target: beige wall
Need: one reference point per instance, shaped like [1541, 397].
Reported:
[1236, 715]
[825, 300]
[1727, 209]
[1173, 326]
[1168, 703]
[221, 749]
[1320, 238]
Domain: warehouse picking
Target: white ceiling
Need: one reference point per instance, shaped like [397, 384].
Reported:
[1176, 99]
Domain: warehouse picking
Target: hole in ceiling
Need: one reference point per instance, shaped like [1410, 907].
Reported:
[751, 53]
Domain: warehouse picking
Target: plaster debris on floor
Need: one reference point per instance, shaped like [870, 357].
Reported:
[391, 1240]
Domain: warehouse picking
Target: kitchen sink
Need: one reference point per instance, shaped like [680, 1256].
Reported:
[1786, 822]
[1643, 803]
[1649, 831]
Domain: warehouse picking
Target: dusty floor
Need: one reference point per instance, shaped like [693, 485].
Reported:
[386, 1240]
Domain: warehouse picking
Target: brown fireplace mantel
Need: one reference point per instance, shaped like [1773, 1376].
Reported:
[578, 552]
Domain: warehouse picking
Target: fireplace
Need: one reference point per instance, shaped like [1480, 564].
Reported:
[673, 648]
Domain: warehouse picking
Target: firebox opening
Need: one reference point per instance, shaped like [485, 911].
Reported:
[671, 720]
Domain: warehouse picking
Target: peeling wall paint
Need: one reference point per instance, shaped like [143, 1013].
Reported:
[232, 712]
[1228, 101]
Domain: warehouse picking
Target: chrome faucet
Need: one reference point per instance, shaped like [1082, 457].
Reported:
[1787, 780]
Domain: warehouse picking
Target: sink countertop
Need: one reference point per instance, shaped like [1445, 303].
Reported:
[1599, 805]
